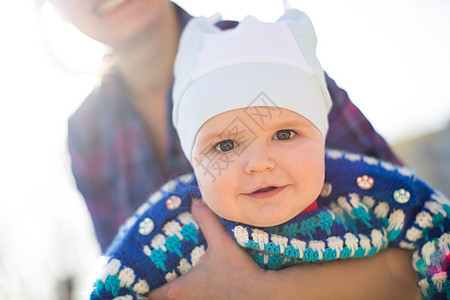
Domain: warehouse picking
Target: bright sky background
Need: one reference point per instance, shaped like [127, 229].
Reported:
[392, 57]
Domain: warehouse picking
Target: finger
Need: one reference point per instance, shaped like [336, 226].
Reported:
[210, 224]
[158, 293]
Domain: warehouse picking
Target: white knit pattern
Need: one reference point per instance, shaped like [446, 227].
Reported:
[396, 220]
[281, 241]
[406, 245]
[423, 284]
[427, 250]
[197, 254]
[171, 276]
[364, 242]
[335, 154]
[126, 277]
[351, 241]
[187, 178]
[170, 186]
[444, 241]
[377, 238]
[318, 246]
[173, 228]
[143, 208]
[381, 210]
[147, 250]
[387, 166]
[187, 218]
[300, 246]
[184, 266]
[141, 287]
[336, 243]
[155, 197]
[413, 234]
[370, 160]
[343, 203]
[112, 268]
[355, 201]
[424, 219]
[405, 171]
[439, 279]
[352, 157]
[415, 259]
[260, 237]
[241, 235]
[435, 207]
[368, 202]
[336, 209]
[158, 242]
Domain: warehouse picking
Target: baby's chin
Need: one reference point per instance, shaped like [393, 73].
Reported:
[263, 223]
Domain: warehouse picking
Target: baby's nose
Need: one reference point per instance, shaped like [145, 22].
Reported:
[259, 160]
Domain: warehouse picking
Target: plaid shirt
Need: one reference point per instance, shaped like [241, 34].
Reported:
[115, 165]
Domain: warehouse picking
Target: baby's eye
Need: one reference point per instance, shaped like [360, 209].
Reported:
[225, 146]
[285, 134]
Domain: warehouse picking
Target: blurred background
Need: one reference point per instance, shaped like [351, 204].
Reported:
[392, 57]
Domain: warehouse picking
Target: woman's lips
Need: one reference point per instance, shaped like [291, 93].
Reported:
[266, 192]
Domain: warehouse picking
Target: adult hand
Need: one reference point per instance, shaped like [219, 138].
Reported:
[224, 265]
[227, 272]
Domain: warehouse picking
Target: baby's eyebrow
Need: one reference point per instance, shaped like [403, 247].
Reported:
[212, 135]
[288, 124]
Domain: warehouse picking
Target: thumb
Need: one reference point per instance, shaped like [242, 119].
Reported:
[210, 224]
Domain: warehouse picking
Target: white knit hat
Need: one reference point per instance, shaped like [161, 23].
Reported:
[217, 71]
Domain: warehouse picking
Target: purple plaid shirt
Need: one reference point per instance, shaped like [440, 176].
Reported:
[113, 157]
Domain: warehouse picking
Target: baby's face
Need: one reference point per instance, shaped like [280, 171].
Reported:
[259, 165]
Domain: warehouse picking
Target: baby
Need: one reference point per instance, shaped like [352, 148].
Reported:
[250, 108]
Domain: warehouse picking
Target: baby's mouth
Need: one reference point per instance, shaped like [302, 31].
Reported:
[266, 192]
[266, 189]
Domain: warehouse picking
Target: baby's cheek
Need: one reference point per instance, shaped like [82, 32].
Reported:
[204, 189]
[211, 201]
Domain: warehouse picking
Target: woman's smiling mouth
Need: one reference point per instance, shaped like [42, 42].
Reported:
[105, 7]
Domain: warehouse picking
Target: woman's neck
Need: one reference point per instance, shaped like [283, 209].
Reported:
[146, 65]
[146, 61]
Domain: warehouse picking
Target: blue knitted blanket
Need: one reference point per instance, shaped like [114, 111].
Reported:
[366, 205]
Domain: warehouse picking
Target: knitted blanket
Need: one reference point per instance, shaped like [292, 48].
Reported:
[366, 205]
